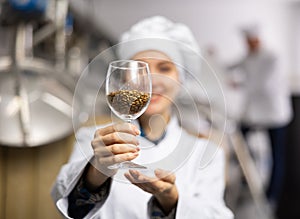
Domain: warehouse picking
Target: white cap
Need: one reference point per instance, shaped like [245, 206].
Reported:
[158, 33]
[250, 31]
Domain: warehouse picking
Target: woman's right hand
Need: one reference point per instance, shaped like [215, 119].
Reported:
[111, 145]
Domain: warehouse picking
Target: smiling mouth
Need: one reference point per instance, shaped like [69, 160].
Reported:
[155, 97]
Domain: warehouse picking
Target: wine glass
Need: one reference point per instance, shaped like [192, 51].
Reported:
[128, 93]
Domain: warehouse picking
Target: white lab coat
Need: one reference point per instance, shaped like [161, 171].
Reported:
[200, 188]
[267, 101]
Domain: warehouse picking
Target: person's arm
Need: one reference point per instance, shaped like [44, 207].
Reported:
[107, 146]
[66, 182]
[235, 74]
[85, 196]
[72, 195]
[71, 173]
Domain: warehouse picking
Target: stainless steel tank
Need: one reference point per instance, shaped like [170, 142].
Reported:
[35, 99]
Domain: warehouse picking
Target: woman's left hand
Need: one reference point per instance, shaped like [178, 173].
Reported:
[163, 187]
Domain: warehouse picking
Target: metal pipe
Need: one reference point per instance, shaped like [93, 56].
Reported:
[18, 55]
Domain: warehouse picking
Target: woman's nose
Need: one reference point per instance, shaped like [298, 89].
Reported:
[158, 82]
[154, 78]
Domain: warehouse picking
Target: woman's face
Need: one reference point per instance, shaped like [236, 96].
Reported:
[165, 81]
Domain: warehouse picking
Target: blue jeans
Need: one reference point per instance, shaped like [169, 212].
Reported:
[278, 139]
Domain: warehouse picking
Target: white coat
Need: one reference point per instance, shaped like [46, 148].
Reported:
[267, 100]
[200, 188]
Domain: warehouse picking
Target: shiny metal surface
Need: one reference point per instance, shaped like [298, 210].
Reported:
[49, 110]
[35, 99]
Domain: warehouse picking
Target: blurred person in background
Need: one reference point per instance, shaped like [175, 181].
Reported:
[267, 103]
[83, 191]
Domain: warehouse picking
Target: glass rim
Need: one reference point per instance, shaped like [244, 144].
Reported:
[112, 64]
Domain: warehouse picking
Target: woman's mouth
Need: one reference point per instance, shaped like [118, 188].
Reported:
[155, 98]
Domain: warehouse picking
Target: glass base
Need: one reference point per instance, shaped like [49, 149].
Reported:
[126, 165]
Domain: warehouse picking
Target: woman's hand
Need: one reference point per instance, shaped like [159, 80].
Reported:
[112, 144]
[163, 187]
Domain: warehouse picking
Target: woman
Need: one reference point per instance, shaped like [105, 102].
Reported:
[90, 190]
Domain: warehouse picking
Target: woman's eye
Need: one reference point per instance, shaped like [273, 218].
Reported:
[165, 69]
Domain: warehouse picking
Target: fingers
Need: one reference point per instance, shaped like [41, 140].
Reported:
[130, 177]
[140, 178]
[162, 175]
[121, 127]
[148, 184]
[123, 148]
[115, 144]
[118, 138]
[137, 180]
[116, 134]
[165, 176]
[119, 158]
[115, 149]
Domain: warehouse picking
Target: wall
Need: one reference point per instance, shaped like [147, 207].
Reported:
[214, 22]
[294, 40]
[27, 175]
